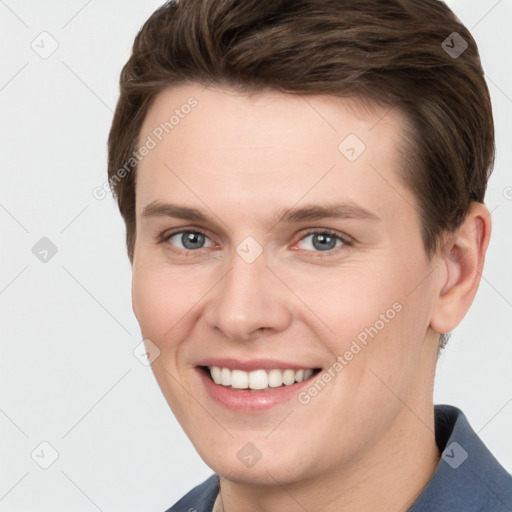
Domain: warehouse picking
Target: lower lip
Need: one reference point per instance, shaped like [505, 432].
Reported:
[248, 400]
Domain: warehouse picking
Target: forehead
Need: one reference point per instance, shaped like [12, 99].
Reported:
[268, 147]
[224, 111]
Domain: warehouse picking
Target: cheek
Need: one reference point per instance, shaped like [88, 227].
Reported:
[161, 298]
[369, 317]
[345, 301]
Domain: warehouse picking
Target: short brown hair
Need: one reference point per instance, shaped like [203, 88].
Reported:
[392, 52]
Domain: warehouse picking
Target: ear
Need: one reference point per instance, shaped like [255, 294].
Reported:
[462, 258]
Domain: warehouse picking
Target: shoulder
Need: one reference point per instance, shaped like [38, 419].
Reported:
[468, 476]
[200, 499]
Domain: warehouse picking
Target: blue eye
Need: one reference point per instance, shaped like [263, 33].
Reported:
[189, 240]
[322, 241]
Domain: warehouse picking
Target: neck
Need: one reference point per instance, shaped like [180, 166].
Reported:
[388, 476]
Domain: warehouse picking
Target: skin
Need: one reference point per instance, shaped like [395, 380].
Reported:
[366, 441]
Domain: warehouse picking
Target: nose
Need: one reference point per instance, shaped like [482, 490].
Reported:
[249, 299]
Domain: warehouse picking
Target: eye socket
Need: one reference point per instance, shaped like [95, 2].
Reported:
[191, 240]
[323, 241]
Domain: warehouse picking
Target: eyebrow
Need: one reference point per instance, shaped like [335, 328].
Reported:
[310, 212]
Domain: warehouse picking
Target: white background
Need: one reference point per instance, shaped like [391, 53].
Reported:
[67, 372]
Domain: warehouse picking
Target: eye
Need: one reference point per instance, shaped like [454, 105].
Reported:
[189, 240]
[322, 241]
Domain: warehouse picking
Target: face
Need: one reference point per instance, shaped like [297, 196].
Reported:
[280, 271]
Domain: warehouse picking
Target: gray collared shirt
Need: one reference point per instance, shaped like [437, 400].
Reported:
[467, 479]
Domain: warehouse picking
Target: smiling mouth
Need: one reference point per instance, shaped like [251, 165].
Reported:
[257, 380]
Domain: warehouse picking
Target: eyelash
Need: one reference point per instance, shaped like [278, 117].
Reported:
[346, 241]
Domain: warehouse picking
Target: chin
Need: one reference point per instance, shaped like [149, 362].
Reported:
[250, 467]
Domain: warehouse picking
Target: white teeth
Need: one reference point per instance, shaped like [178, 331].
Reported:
[215, 372]
[225, 377]
[257, 379]
[307, 374]
[288, 377]
[239, 379]
[275, 378]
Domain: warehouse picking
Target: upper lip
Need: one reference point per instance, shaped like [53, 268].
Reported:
[252, 364]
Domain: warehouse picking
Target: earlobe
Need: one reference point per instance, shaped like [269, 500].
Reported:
[462, 259]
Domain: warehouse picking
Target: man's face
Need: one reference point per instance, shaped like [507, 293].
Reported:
[265, 281]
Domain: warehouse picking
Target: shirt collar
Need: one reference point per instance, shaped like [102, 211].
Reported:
[468, 477]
